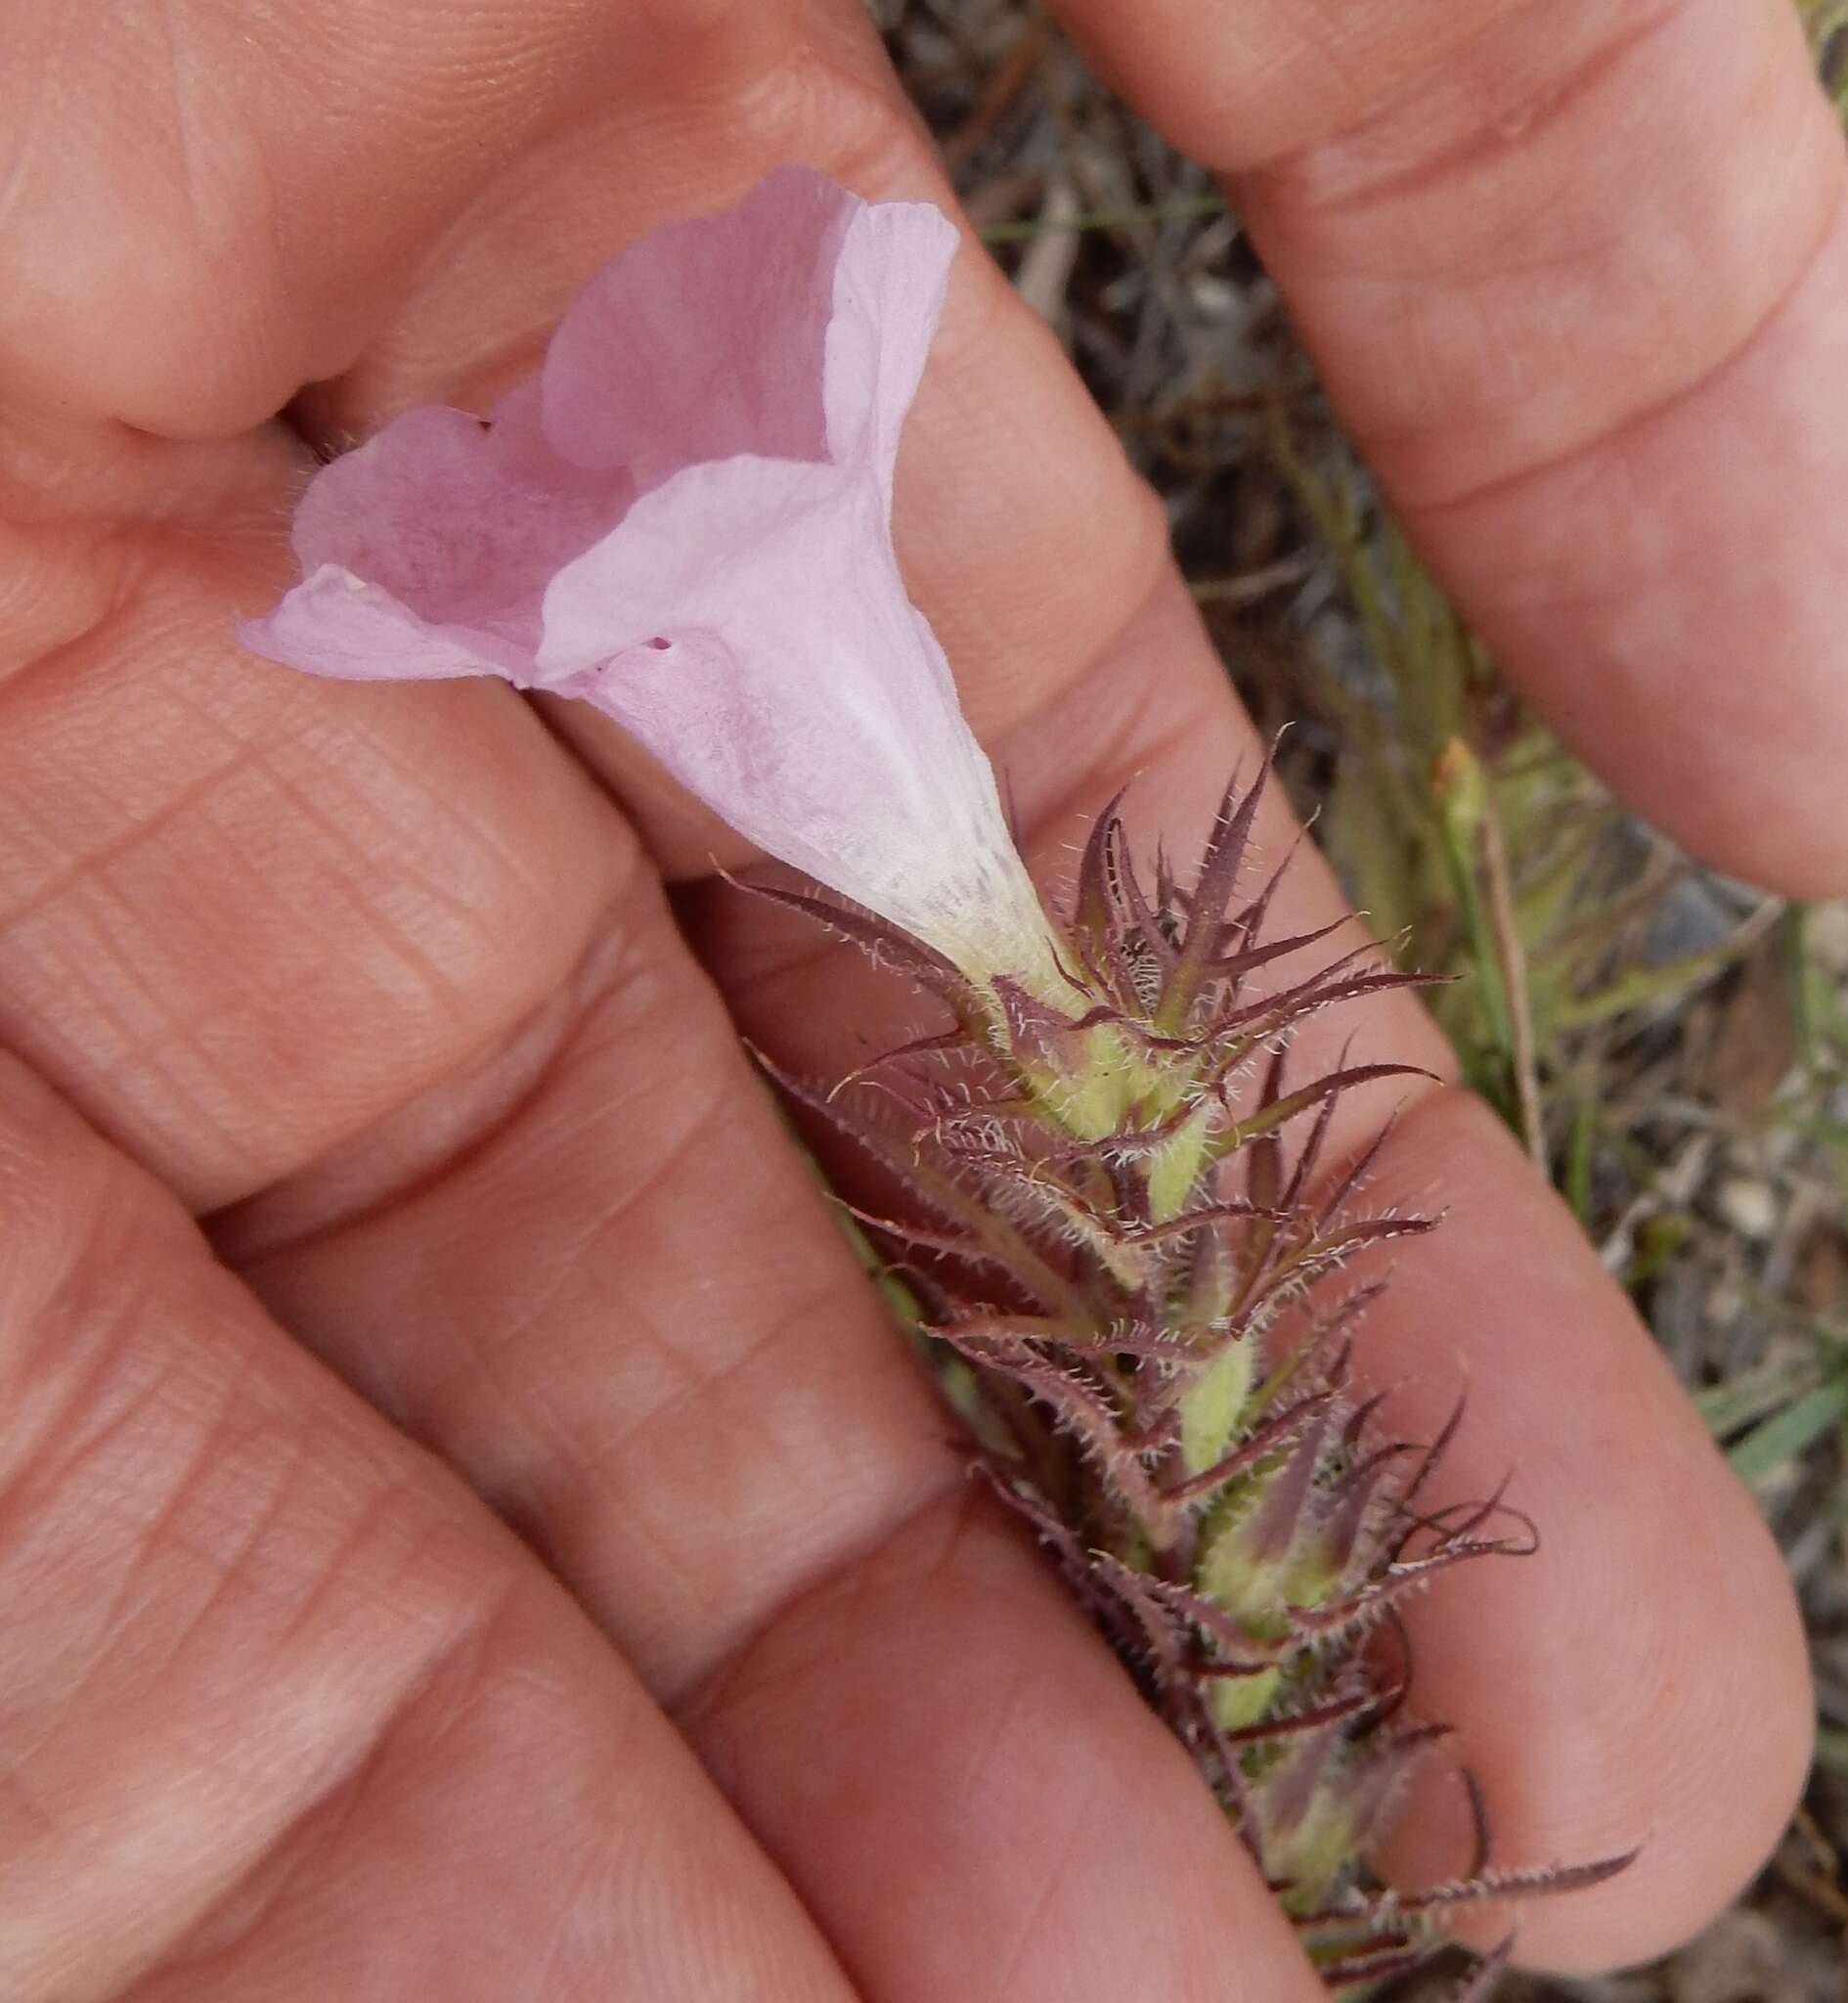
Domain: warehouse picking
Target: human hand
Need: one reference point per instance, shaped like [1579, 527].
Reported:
[380, 983]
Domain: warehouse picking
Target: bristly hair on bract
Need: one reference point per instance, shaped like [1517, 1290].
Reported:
[1108, 1212]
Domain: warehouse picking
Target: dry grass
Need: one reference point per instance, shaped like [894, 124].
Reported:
[1672, 1047]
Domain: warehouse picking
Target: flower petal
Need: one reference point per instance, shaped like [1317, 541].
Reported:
[335, 623]
[889, 288]
[747, 375]
[705, 339]
[792, 327]
[462, 522]
[747, 622]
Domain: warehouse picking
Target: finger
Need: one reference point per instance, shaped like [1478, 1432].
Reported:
[1577, 275]
[287, 1714]
[226, 1038]
[252, 193]
[1609, 1646]
[1059, 503]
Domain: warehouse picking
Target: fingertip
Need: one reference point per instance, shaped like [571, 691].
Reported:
[1642, 1681]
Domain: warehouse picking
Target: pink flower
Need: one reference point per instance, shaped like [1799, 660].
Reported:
[685, 521]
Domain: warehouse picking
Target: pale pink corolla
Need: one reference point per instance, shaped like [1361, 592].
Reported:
[685, 521]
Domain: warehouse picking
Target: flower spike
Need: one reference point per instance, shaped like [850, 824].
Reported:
[1237, 1518]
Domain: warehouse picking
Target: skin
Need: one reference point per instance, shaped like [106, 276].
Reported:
[465, 1528]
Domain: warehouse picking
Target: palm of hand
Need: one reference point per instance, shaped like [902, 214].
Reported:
[384, 986]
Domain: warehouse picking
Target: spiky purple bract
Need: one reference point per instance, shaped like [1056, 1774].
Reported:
[1116, 1220]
